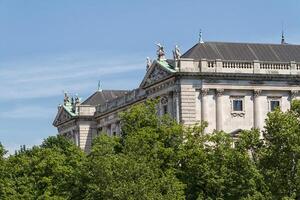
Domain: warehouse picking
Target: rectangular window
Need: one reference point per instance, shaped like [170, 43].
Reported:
[274, 104]
[237, 105]
[165, 109]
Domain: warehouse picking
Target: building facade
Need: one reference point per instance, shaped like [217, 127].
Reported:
[232, 86]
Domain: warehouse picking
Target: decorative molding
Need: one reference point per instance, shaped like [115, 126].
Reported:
[219, 92]
[164, 100]
[257, 92]
[204, 91]
[238, 114]
[156, 75]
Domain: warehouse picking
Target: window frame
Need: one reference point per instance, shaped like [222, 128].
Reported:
[236, 113]
[272, 99]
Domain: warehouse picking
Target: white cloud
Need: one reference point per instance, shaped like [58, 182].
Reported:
[28, 112]
[46, 77]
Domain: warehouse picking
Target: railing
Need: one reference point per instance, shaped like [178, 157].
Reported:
[275, 66]
[211, 64]
[237, 65]
[128, 98]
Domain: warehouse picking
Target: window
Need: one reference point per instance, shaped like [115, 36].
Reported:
[274, 104]
[237, 105]
[165, 109]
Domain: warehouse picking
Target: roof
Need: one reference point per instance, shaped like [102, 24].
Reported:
[101, 97]
[244, 51]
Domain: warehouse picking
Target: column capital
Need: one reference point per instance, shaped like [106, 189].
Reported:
[294, 93]
[219, 91]
[257, 92]
[204, 91]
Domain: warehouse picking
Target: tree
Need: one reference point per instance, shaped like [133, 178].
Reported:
[141, 163]
[2, 170]
[213, 169]
[280, 157]
[50, 171]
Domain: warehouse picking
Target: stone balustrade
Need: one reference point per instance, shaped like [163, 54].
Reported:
[85, 110]
[130, 97]
[237, 66]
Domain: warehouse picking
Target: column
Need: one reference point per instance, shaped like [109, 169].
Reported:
[204, 115]
[256, 114]
[176, 105]
[76, 134]
[219, 111]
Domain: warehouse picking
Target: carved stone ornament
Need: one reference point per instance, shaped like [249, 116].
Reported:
[164, 100]
[257, 93]
[237, 114]
[219, 92]
[156, 74]
[204, 91]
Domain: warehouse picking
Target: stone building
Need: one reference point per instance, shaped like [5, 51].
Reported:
[232, 86]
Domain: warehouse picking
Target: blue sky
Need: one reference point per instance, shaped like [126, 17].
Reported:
[50, 46]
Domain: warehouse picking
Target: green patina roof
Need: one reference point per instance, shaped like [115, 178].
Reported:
[68, 107]
[166, 65]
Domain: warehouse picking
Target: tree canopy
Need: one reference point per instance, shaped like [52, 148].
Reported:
[157, 158]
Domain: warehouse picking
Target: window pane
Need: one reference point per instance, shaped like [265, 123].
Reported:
[237, 105]
[274, 105]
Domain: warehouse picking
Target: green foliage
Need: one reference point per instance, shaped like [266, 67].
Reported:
[157, 158]
[46, 172]
[213, 169]
[280, 157]
[295, 106]
[140, 164]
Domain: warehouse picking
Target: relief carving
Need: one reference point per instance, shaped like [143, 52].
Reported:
[157, 74]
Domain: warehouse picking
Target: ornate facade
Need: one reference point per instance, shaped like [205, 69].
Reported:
[232, 86]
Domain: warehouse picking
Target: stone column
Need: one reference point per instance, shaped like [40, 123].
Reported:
[170, 103]
[256, 114]
[76, 135]
[204, 114]
[219, 111]
[176, 105]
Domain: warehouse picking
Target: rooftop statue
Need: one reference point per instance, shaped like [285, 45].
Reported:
[149, 62]
[176, 53]
[66, 98]
[160, 52]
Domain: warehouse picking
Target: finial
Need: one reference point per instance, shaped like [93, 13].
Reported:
[200, 37]
[282, 35]
[282, 38]
[149, 62]
[99, 86]
[160, 52]
[176, 53]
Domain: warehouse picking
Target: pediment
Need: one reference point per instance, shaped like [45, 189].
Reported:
[62, 116]
[156, 73]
